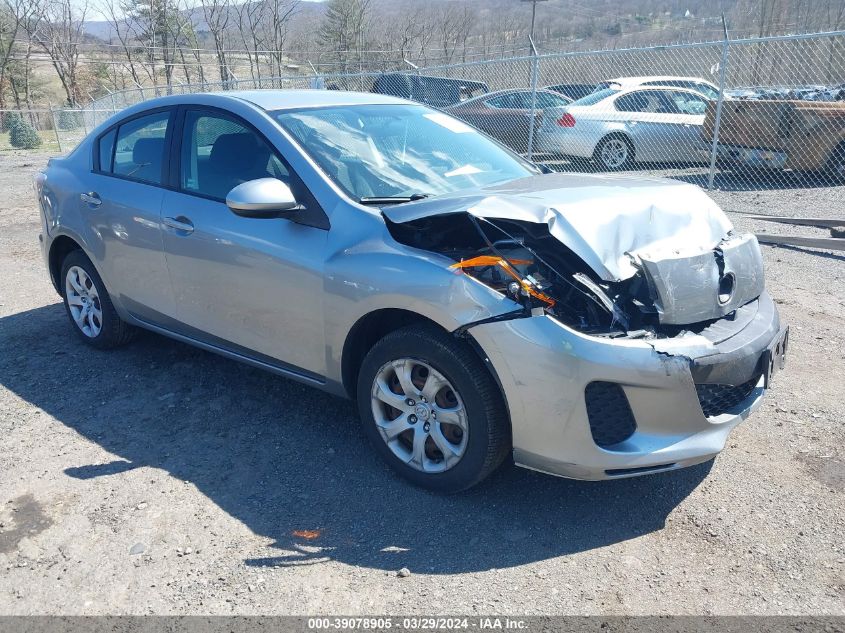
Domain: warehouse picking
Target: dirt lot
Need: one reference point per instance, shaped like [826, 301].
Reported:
[163, 479]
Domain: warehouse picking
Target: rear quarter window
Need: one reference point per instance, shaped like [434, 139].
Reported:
[105, 151]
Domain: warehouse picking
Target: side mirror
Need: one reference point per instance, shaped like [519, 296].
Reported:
[262, 198]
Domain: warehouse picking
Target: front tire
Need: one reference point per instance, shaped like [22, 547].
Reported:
[432, 410]
[88, 305]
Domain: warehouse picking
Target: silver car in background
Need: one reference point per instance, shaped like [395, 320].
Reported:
[697, 84]
[593, 327]
[619, 127]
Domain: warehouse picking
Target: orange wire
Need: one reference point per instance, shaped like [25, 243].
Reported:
[491, 260]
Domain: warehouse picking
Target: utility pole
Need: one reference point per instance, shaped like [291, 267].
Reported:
[533, 14]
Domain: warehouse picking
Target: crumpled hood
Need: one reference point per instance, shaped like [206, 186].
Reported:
[605, 220]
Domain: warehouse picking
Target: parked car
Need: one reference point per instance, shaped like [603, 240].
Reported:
[619, 127]
[787, 93]
[773, 134]
[702, 86]
[434, 91]
[506, 114]
[594, 327]
[574, 91]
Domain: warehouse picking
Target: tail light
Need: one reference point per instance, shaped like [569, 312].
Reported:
[567, 120]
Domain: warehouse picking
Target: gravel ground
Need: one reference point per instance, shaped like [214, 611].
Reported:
[163, 479]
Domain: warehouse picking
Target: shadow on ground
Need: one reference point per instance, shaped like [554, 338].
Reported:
[284, 458]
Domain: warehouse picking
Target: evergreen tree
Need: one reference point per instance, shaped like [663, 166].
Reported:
[23, 136]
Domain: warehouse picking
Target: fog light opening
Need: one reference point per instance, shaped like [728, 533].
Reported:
[726, 288]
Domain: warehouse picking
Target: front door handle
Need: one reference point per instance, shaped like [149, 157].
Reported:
[91, 198]
[179, 223]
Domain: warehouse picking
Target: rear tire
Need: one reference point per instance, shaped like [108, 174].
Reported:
[614, 153]
[88, 305]
[426, 374]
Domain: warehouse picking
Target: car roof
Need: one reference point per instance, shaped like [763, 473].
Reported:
[497, 93]
[641, 80]
[289, 99]
[626, 90]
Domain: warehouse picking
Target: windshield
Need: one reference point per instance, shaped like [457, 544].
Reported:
[595, 97]
[399, 151]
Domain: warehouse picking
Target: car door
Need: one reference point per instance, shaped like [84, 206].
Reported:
[506, 118]
[653, 123]
[253, 286]
[122, 199]
[691, 108]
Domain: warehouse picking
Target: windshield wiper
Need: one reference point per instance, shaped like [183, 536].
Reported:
[377, 200]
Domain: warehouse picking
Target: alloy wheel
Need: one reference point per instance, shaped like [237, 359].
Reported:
[419, 415]
[614, 153]
[83, 301]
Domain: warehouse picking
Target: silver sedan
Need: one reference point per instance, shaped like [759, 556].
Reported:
[477, 310]
[617, 127]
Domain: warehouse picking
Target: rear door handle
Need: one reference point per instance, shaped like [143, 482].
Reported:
[91, 198]
[179, 223]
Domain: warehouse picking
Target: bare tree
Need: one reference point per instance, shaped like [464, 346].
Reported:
[181, 34]
[250, 16]
[217, 14]
[281, 13]
[454, 26]
[126, 33]
[14, 16]
[57, 27]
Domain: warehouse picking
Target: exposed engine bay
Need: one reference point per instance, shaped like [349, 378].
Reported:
[670, 293]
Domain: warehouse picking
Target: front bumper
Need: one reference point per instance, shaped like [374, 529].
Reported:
[544, 368]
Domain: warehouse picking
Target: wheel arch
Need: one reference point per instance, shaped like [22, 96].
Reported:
[60, 247]
[375, 325]
[366, 332]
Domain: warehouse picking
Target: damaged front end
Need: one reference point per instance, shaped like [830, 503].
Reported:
[641, 331]
[668, 292]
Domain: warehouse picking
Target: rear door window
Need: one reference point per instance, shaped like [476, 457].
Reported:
[140, 147]
[688, 103]
[650, 101]
[502, 102]
[548, 100]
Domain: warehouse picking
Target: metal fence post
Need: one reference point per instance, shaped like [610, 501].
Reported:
[56, 129]
[535, 67]
[723, 66]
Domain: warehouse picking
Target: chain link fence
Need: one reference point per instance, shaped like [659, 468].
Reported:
[755, 113]
[50, 130]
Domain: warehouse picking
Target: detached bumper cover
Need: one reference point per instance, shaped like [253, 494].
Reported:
[545, 367]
